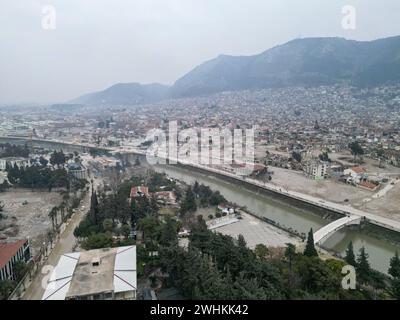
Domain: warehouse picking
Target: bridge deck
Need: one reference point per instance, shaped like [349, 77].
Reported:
[334, 226]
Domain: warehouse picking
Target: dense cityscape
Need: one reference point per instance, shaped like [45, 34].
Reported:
[272, 176]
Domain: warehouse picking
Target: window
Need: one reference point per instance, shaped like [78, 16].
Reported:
[108, 296]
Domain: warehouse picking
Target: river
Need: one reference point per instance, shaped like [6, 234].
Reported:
[379, 250]
[263, 205]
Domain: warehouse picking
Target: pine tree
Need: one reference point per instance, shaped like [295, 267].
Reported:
[190, 198]
[310, 250]
[350, 257]
[396, 288]
[290, 254]
[363, 267]
[241, 241]
[189, 204]
[261, 251]
[169, 235]
[200, 235]
[196, 187]
[394, 269]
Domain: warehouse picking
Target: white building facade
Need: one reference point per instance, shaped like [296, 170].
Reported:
[317, 170]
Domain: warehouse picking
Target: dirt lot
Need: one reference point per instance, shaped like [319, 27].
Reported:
[332, 190]
[30, 219]
[326, 189]
[387, 206]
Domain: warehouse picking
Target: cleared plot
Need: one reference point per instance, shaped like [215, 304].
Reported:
[26, 215]
[256, 231]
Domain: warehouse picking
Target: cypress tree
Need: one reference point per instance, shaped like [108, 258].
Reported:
[94, 208]
[350, 258]
[363, 267]
[290, 253]
[310, 250]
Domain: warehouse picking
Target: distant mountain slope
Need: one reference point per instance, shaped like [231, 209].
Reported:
[126, 94]
[310, 61]
[300, 62]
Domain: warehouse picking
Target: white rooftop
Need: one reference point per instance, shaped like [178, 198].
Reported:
[73, 275]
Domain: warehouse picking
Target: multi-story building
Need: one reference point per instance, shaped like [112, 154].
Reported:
[316, 169]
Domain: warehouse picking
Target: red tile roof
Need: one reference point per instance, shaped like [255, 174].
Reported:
[357, 169]
[136, 190]
[258, 167]
[8, 250]
[368, 185]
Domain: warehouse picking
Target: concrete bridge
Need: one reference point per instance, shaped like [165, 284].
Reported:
[325, 232]
[52, 144]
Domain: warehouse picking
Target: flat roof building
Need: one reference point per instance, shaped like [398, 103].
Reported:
[77, 170]
[101, 274]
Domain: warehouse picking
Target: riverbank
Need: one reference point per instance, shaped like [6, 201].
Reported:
[261, 205]
[282, 199]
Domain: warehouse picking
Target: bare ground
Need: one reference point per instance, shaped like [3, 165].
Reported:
[387, 205]
[30, 219]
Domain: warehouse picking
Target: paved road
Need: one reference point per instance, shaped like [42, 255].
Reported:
[327, 230]
[64, 245]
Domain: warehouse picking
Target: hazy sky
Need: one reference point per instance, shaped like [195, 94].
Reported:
[97, 43]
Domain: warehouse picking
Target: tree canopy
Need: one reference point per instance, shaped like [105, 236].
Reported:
[310, 250]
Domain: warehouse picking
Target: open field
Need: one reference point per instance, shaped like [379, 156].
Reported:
[384, 201]
[26, 215]
[388, 205]
[326, 189]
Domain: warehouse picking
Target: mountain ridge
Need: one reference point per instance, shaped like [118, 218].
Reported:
[306, 62]
[126, 93]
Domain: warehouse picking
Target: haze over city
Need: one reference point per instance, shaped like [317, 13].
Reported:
[97, 43]
[212, 156]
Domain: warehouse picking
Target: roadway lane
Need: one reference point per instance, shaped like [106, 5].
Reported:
[65, 244]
